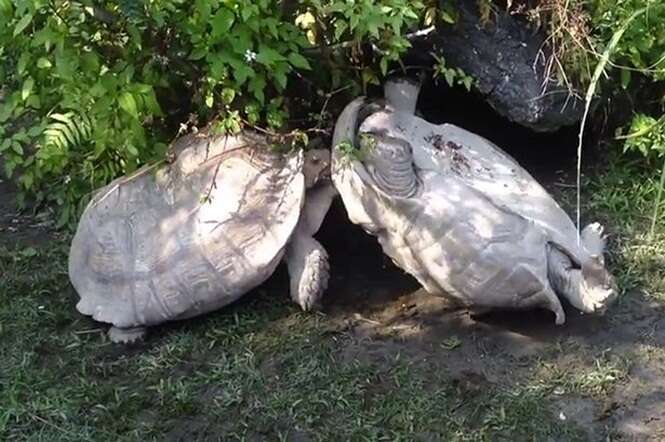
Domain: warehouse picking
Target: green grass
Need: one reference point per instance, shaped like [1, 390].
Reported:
[263, 370]
[624, 197]
[257, 369]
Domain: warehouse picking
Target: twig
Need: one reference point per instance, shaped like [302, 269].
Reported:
[347, 44]
[640, 132]
[213, 182]
[329, 95]
[87, 332]
[142, 171]
[656, 205]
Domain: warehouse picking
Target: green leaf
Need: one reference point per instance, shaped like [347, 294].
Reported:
[447, 17]
[34, 102]
[128, 104]
[16, 147]
[222, 22]
[27, 180]
[280, 77]
[132, 150]
[203, 8]
[625, 78]
[198, 53]
[9, 168]
[22, 24]
[340, 27]
[6, 6]
[257, 86]
[449, 75]
[241, 72]
[43, 63]
[373, 27]
[28, 84]
[35, 131]
[354, 21]
[228, 95]
[241, 40]
[151, 103]
[23, 60]
[28, 252]
[65, 64]
[298, 61]
[63, 118]
[383, 64]
[63, 218]
[268, 56]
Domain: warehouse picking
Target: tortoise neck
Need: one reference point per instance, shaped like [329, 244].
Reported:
[402, 95]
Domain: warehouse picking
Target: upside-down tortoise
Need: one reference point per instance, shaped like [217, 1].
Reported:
[198, 233]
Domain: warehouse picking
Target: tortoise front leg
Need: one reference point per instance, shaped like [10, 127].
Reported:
[309, 270]
[305, 257]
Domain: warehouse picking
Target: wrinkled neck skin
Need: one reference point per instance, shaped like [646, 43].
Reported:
[389, 161]
[317, 203]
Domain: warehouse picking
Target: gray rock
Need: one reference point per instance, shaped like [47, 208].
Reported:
[502, 56]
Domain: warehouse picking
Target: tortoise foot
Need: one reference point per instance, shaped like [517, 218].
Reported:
[126, 335]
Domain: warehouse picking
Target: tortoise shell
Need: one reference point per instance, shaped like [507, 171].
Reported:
[189, 237]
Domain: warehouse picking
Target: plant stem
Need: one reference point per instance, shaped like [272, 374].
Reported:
[657, 203]
[591, 90]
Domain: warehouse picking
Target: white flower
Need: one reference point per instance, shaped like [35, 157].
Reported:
[68, 179]
[250, 56]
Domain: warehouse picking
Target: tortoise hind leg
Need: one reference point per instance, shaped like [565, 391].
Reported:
[128, 335]
[545, 298]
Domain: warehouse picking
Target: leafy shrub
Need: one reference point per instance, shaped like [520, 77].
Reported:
[640, 59]
[642, 47]
[94, 89]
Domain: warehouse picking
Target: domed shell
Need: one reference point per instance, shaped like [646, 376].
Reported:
[189, 237]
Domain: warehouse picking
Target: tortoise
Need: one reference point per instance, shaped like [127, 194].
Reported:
[460, 215]
[201, 231]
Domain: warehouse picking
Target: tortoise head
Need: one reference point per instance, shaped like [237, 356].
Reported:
[316, 167]
[598, 285]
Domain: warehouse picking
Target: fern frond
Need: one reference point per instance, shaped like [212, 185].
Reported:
[68, 131]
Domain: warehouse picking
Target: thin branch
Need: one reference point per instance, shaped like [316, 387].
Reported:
[329, 95]
[349, 43]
